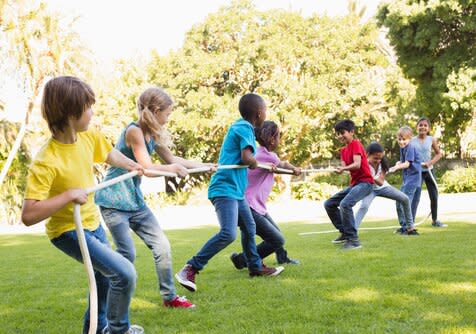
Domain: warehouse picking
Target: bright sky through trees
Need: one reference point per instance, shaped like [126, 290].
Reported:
[116, 29]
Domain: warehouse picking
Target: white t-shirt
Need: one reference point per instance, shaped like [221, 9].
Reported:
[376, 175]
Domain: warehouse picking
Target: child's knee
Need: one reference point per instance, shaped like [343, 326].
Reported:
[227, 236]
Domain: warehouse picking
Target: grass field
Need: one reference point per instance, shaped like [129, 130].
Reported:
[394, 284]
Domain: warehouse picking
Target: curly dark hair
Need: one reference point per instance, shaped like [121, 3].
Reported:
[266, 133]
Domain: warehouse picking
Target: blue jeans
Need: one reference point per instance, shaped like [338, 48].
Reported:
[339, 208]
[145, 225]
[387, 192]
[409, 190]
[432, 192]
[231, 213]
[115, 278]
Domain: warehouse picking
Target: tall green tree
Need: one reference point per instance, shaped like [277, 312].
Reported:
[312, 71]
[435, 44]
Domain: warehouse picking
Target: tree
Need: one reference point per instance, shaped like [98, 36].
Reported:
[435, 44]
[37, 44]
[311, 71]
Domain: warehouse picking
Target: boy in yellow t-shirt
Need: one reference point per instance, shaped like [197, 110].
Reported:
[59, 175]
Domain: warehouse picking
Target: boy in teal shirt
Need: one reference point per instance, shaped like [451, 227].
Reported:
[227, 194]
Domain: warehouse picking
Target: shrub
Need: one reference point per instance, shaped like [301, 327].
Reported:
[461, 179]
[313, 190]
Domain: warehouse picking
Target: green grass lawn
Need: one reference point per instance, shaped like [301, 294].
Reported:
[394, 284]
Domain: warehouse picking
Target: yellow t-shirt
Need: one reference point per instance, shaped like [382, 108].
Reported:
[58, 167]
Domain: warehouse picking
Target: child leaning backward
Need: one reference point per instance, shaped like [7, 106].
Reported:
[58, 176]
[260, 184]
[339, 207]
[226, 192]
[122, 205]
[379, 168]
[410, 163]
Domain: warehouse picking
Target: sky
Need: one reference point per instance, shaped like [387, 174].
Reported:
[120, 28]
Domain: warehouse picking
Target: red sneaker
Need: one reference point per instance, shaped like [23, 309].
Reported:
[178, 302]
[267, 271]
[186, 277]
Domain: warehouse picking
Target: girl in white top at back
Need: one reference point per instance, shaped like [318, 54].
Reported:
[379, 168]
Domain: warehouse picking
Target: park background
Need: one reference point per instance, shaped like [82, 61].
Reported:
[382, 64]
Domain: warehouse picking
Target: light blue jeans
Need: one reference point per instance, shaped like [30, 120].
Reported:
[145, 225]
[231, 213]
[410, 190]
[391, 193]
[115, 278]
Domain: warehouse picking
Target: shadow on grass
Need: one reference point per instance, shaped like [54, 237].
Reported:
[393, 284]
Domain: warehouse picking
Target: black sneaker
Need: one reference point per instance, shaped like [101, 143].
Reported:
[351, 244]
[412, 232]
[437, 223]
[340, 239]
[289, 261]
[400, 230]
[238, 261]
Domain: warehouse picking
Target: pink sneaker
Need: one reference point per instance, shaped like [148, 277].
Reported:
[179, 302]
[186, 277]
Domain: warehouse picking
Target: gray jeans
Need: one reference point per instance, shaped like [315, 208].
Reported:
[390, 193]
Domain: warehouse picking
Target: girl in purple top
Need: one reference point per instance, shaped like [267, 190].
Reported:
[260, 184]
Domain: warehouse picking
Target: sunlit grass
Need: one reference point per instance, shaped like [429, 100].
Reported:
[393, 284]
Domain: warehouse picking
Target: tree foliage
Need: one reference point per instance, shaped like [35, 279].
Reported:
[312, 72]
[435, 43]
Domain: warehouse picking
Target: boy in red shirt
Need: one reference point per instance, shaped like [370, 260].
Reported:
[339, 207]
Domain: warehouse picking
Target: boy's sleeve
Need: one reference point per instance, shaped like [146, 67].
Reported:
[357, 148]
[410, 154]
[39, 181]
[102, 147]
[247, 139]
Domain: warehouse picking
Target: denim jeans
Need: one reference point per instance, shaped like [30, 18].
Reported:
[339, 208]
[409, 190]
[432, 192]
[145, 225]
[231, 213]
[115, 278]
[387, 192]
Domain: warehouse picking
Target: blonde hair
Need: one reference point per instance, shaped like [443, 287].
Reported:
[150, 102]
[405, 132]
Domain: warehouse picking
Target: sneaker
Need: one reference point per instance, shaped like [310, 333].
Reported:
[352, 244]
[437, 223]
[412, 232]
[186, 277]
[238, 261]
[340, 239]
[267, 271]
[400, 230]
[134, 329]
[289, 261]
[178, 302]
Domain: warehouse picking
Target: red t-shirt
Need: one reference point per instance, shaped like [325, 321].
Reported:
[362, 174]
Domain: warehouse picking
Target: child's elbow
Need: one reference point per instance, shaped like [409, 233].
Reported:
[27, 219]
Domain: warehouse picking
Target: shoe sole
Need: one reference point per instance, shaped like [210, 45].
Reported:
[351, 248]
[278, 271]
[337, 242]
[190, 286]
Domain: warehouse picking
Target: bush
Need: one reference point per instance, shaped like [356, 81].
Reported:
[313, 190]
[461, 179]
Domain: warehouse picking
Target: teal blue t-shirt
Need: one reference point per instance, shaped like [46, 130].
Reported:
[232, 182]
[125, 195]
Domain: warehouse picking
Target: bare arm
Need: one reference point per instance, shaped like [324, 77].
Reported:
[35, 211]
[117, 159]
[287, 165]
[438, 154]
[247, 158]
[399, 165]
[356, 163]
[135, 140]
[380, 179]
